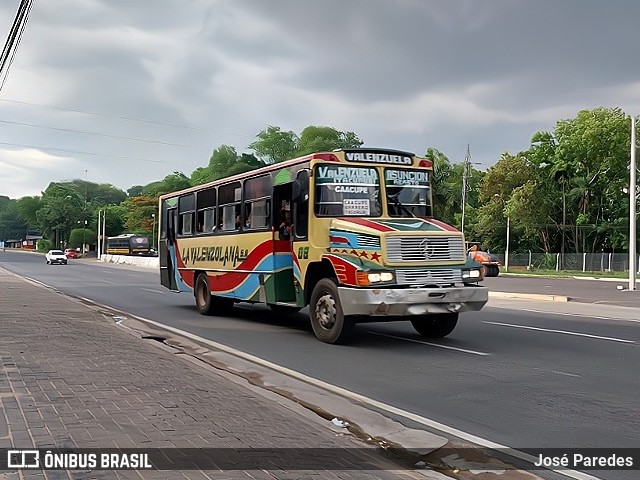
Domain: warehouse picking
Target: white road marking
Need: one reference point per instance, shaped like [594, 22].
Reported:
[463, 350]
[563, 332]
[558, 372]
[153, 291]
[568, 314]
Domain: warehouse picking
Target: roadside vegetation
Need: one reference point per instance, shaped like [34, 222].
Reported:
[566, 193]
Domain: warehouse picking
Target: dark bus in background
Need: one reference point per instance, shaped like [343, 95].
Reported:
[128, 244]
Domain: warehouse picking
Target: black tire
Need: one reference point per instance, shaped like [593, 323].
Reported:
[284, 309]
[329, 323]
[496, 270]
[435, 326]
[206, 303]
[202, 294]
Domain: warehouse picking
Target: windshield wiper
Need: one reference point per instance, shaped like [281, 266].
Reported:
[396, 202]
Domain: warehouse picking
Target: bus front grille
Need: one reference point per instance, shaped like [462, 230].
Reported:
[432, 249]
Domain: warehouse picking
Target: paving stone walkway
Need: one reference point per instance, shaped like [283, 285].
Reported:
[71, 378]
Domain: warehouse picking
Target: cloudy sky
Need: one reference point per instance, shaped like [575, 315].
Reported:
[126, 92]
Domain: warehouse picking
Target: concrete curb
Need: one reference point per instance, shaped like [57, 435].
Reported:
[529, 296]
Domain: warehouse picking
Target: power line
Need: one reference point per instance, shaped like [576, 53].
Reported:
[122, 117]
[13, 33]
[14, 38]
[95, 133]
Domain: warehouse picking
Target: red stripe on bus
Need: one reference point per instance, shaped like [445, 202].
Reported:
[345, 270]
[444, 226]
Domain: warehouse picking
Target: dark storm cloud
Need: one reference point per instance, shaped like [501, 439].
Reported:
[405, 74]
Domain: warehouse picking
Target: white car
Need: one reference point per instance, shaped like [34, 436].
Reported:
[56, 256]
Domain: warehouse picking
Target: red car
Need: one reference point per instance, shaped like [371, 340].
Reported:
[71, 253]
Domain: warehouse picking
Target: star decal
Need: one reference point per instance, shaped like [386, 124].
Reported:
[375, 256]
[364, 254]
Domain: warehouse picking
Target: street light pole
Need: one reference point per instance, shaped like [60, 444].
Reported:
[104, 228]
[99, 245]
[632, 208]
[84, 239]
[153, 232]
[506, 255]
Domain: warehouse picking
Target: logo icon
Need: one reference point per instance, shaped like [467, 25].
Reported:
[23, 459]
[428, 249]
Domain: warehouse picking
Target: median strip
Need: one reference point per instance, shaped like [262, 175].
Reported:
[530, 296]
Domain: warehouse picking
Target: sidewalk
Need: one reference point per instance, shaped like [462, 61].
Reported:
[73, 378]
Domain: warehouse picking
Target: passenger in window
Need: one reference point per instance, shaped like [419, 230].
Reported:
[284, 230]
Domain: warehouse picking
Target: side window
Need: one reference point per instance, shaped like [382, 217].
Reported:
[229, 214]
[206, 203]
[301, 220]
[257, 203]
[186, 210]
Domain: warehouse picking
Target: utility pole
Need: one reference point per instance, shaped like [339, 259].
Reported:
[632, 208]
[465, 183]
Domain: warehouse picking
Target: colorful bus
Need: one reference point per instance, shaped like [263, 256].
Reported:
[128, 244]
[348, 233]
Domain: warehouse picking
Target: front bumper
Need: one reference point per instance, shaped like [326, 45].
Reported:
[411, 301]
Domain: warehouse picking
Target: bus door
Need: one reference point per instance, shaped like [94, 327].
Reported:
[167, 250]
[282, 290]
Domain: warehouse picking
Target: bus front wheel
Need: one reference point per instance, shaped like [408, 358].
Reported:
[329, 323]
[435, 326]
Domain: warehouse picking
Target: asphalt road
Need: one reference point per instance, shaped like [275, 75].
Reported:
[604, 292]
[522, 379]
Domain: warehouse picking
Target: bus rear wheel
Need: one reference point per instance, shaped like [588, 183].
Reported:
[329, 323]
[435, 326]
[206, 303]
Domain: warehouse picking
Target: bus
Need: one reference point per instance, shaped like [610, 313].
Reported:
[348, 233]
[128, 244]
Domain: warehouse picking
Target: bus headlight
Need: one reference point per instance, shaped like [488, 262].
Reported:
[366, 278]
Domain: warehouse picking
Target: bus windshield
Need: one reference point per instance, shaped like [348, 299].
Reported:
[347, 191]
[407, 193]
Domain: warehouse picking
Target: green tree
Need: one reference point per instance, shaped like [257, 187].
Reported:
[27, 208]
[12, 227]
[80, 235]
[584, 164]
[447, 189]
[225, 162]
[62, 207]
[496, 196]
[274, 145]
[325, 139]
[135, 191]
[171, 183]
[139, 217]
